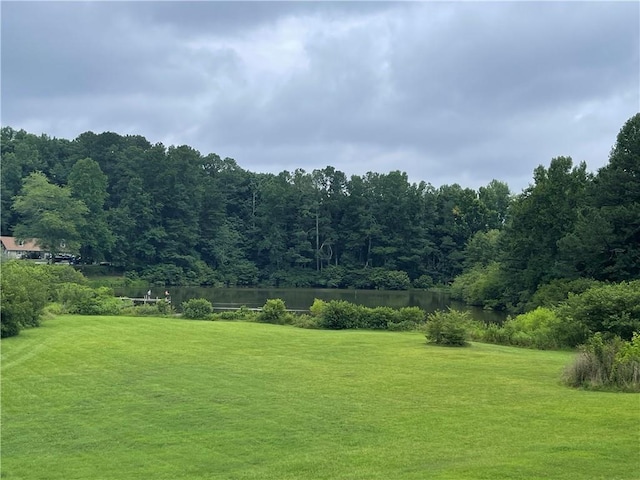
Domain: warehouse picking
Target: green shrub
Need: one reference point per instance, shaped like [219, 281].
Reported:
[390, 279]
[339, 314]
[161, 308]
[54, 309]
[66, 274]
[407, 318]
[197, 309]
[570, 332]
[557, 291]
[541, 328]
[83, 300]
[482, 286]
[492, 333]
[359, 279]
[70, 294]
[246, 273]
[106, 303]
[333, 276]
[605, 364]
[274, 311]
[611, 308]
[401, 326]
[537, 329]
[411, 314]
[144, 310]
[378, 318]
[627, 371]
[305, 321]
[24, 293]
[164, 307]
[447, 328]
[243, 314]
[317, 308]
[165, 274]
[423, 281]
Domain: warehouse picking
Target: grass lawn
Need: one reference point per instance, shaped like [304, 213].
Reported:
[137, 398]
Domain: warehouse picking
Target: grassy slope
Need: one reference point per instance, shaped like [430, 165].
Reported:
[135, 398]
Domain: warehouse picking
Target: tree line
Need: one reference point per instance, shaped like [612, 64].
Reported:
[174, 216]
[566, 232]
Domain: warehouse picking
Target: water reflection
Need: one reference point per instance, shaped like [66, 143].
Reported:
[302, 298]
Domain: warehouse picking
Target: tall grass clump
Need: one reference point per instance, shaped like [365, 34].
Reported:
[606, 364]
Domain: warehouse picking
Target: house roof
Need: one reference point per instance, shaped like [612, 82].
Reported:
[12, 243]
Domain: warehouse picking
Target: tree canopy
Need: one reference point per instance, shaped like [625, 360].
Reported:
[49, 215]
[175, 216]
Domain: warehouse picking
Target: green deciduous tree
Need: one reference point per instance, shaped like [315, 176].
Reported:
[496, 197]
[482, 249]
[49, 215]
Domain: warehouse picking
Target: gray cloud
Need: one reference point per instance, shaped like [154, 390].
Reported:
[448, 92]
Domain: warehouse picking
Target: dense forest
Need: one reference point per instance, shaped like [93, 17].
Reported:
[174, 216]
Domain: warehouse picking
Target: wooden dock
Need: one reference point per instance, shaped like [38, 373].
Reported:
[145, 300]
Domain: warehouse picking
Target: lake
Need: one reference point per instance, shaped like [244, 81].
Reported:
[302, 298]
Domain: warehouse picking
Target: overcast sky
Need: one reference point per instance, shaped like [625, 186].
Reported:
[447, 92]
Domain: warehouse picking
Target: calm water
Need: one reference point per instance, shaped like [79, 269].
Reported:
[302, 298]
